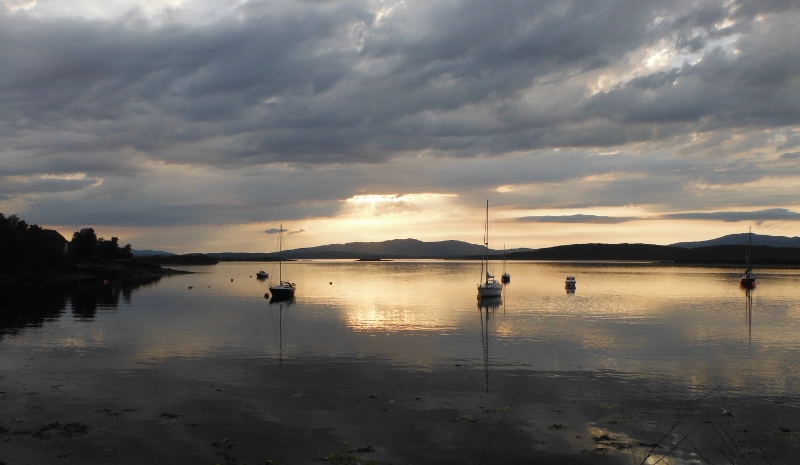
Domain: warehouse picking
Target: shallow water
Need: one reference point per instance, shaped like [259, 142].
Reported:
[665, 329]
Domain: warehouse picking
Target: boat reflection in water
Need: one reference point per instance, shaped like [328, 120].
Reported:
[278, 305]
[487, 306]
[570, 284]
[748, 309]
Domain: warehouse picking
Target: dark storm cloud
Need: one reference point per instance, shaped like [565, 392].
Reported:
[587, 219]
[772, 214]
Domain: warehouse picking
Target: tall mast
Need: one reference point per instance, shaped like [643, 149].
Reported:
[749, 246]
[484, 273]
[280, 250]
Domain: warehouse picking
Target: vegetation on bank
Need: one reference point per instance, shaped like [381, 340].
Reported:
[32, 251]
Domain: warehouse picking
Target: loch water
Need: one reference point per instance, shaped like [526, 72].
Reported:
[151, 355]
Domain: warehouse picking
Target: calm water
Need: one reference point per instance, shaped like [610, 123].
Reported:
[687, 328]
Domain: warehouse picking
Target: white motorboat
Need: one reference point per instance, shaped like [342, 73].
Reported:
[490, 287]
[284, 289]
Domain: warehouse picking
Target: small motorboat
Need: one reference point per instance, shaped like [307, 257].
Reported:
[570, 282]
[262, 275]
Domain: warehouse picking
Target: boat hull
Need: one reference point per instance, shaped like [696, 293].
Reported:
[283, 291]
[489, 290]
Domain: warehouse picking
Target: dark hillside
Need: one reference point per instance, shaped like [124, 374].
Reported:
[646, 252]
[721, 254]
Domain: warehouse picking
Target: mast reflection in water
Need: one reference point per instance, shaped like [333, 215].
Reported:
[487, 306]
[748, 310]
[273, 305]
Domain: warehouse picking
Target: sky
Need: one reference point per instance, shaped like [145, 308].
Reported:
[206, 126]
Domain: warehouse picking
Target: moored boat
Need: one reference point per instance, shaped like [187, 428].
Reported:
[748, 279]
[284, 289]
[490, 287]
[505, 278]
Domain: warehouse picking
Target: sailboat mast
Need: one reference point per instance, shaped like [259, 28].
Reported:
[485, 273]
[749, 246]
[280, 250]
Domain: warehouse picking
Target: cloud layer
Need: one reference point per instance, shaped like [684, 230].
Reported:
[250, 112]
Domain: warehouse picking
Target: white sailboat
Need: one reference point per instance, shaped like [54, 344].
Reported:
[284, 289]
[490, 287]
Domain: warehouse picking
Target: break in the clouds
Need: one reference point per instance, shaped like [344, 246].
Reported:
[189, 112]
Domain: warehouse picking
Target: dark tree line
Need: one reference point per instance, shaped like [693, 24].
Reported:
[86, 246]
[30, 248]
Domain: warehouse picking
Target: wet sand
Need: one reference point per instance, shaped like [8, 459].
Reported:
[299, 413]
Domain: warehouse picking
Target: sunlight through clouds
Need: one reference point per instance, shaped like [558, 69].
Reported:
[366, 120]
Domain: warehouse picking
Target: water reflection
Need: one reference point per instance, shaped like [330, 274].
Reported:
[748, 310]
[278, 305]
[38, 303]
[487, 306]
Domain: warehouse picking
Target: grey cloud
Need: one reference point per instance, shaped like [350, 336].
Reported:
[772, 214]
[333, 90]
[297, 231]
[790, 156]
[289, 83]
[588, 219]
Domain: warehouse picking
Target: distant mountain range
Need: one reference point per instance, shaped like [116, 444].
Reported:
[727, 249]
[741, 239]
[396, 248]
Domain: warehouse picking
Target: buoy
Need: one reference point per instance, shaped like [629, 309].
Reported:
[266, 295]
[231, 279]
[331, 283]
[190, 287]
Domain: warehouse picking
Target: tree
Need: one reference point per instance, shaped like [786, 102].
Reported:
[83, 245]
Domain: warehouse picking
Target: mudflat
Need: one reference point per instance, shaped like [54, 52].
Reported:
[301, 413]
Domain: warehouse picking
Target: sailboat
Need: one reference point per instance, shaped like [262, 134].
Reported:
[748, 278]
[284, 289]
[490, 287]
[506, 278]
